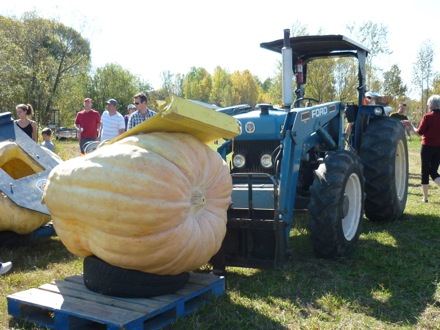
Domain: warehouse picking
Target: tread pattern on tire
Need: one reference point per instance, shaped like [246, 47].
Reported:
[325, 207]
[378, 156]
[103, 278]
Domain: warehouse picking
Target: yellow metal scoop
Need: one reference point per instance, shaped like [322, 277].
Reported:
[183, 116]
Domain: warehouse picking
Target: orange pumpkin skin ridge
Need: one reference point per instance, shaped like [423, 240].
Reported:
[155, 203]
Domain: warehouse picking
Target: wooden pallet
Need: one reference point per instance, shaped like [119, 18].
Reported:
[68, 304]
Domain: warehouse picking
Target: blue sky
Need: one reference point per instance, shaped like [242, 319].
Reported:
[204, 34]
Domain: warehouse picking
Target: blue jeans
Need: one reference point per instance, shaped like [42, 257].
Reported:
[83, 141]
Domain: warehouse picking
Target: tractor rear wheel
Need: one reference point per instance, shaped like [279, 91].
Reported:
[336, 205]
[384, 155]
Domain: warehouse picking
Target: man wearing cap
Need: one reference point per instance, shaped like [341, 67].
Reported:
[142, 113]
[131, 108]
[400, 115]
[87, 123]
[370, 98]
[112, 122]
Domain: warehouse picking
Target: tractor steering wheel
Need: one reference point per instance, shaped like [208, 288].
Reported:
[298, 101]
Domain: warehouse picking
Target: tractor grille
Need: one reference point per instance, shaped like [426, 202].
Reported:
[253, 150]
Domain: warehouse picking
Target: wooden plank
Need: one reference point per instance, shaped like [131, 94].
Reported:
[79, 307]
[81, 292]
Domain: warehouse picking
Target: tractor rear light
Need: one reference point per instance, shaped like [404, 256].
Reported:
[266, 161]
[239, 161]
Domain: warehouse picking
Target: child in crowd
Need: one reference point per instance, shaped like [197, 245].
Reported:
[46, 133]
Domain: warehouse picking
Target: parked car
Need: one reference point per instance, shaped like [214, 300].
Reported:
[66, 133]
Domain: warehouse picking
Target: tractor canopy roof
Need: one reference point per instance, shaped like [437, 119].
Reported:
[308, 48]
[318, 46]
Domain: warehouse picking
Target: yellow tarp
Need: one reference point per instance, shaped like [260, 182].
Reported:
[183, 116]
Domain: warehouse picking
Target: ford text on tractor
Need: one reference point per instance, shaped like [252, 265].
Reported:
[301, 158]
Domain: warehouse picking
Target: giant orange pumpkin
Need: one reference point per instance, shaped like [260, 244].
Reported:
[155, 203]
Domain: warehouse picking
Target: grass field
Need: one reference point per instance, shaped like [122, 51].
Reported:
[390, 282]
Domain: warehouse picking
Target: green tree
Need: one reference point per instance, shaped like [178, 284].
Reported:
[171, 84]
[275, 90]
[374, 36]
[346, 79]
[43, 53]
[197, 84]
[167, 82]
[221, 92]
[244, 88]
[113, 81]
[320, 81]
[11, 86]
[393, 85]
[423, 73]
[298, 29]
[436, 84]
[74, 89]
[263, 90]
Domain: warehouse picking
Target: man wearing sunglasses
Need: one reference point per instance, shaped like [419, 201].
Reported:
[142, 112]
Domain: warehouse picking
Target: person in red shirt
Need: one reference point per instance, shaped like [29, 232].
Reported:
[88, 124]
[429, 130]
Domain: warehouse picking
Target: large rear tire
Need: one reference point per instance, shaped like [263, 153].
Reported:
[336, 205]
[384, 155]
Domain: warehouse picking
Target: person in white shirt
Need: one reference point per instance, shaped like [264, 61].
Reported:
[131, 108]
[112, 122]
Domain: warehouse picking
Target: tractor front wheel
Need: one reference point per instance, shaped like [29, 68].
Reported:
[336, 205]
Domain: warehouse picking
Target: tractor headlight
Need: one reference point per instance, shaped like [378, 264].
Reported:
[266, 161]
[239, 160]
[378, 111]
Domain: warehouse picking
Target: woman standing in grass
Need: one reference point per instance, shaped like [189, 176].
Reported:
[429, 130]
[24, 113]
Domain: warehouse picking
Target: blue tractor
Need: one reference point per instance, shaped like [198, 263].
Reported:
[302, 158]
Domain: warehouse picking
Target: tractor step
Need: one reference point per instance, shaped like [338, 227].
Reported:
[68, 304]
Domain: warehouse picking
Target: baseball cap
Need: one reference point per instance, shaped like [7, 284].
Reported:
[372, 94]
[131, 106]
[88, 99]
[112, 101]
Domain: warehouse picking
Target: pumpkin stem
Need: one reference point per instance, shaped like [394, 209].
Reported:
[198, 201]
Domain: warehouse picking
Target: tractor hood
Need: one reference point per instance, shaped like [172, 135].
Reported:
[258, 125]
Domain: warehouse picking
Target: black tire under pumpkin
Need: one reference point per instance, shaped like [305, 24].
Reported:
[103, 278]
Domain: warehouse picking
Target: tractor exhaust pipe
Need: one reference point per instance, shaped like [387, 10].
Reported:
[286, 52]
